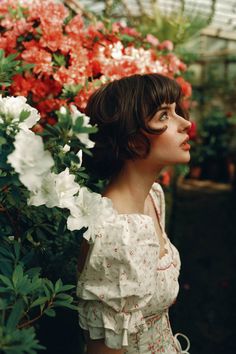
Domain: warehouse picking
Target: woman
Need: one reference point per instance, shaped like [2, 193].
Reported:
[130, 275]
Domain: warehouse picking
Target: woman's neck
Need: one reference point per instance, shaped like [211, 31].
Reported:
[129, 189]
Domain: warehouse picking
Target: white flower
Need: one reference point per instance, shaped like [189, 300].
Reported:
[56, 190]
[30, 160]
[88, 210]
[66, 148]
[11, 108]
[116, 50]
[80, 156]
[11, 238]
[83, 137]
[63, 110]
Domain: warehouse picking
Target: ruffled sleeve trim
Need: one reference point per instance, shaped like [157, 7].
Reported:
[104, 323]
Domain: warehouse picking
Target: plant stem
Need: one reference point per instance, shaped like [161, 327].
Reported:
[28, 323]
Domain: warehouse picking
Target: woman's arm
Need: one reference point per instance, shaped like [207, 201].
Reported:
[98, 347]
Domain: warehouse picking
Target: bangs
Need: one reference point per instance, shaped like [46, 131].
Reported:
[161, 89]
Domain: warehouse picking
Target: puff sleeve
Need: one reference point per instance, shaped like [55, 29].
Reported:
[118, 280]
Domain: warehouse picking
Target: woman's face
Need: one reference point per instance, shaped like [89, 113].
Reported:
[167, 148]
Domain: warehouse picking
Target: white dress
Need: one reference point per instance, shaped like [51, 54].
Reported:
[125, 288]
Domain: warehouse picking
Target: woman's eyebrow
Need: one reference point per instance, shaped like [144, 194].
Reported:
[163, 108]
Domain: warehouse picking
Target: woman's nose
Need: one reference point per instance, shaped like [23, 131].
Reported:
[186, 125]
[189, 125]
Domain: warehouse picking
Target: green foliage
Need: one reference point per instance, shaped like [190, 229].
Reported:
[25, 297]
[177, 27]
[215, 132]
[70, 91]
[212, 144]
[19, 341]
[9, 67]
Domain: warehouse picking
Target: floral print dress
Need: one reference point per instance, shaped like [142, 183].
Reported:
[126, 288]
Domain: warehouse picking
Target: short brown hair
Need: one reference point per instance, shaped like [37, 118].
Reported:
[121, 109]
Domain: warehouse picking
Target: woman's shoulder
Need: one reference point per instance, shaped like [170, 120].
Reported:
[123, 228]
[156, 187]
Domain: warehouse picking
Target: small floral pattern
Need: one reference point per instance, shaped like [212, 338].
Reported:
[125, 282]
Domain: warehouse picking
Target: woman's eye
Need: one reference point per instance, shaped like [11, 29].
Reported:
[164, 116]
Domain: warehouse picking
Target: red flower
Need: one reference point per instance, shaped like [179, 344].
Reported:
[76, 53]
[75, 26]
[185, 86]
[21, 86]
[38, 128]
[182, 66]
[38, 56]
[48, 12]
[129, 31]
[193, 131]
[49, 105]
[51, 38]
[165, 178]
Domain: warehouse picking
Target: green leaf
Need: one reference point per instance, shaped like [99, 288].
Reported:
[6, 267]
[58, 285]
[70, 91]
[82, 174]
[6, 281]
[6, 253]
[15, 315]
[49, 285]
[17, 249]
[24, 115]
[67, 287]
[59, 59]
[50, 312]
[39, 301]
[32, 272]
[2, 140]
[65, 304]
[3, 304]
[65, 297]
[17, 275]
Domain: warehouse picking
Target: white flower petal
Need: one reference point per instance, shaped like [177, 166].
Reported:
[66, 148]
[89, 210]
[56, 190]
[80, 156]
[30, 160]
[11, 108]
[63, 110]
[84, 138]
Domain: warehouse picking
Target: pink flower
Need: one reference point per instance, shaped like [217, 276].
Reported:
[166, 45]
[152, 40]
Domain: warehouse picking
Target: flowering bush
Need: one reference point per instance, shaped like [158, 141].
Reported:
[71, 58]
[44, 171]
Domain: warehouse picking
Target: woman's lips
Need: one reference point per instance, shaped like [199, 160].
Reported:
[185, 146]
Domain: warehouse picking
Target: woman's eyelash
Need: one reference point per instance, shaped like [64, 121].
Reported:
[164, 115]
